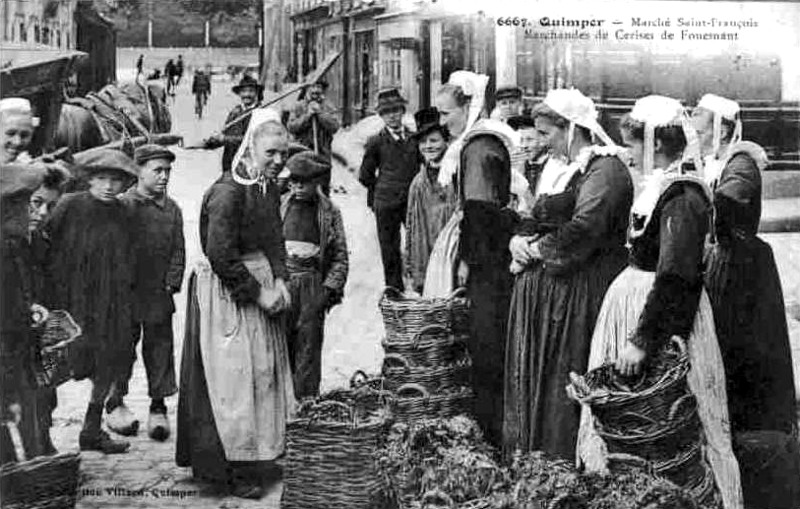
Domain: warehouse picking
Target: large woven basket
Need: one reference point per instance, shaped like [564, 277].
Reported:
[59, 332]
[433, 346]
[329, 461]
[618, 405]
[366, 395]
[404, 316]
[46, 482]
[397, 371]
[413, 402]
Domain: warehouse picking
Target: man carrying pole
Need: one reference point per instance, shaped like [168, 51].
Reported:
[312, 121]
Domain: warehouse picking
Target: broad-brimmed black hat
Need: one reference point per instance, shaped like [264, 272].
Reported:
[248, 81]
[390, 98]
[508, 91]
[518, 122]
[427, 120]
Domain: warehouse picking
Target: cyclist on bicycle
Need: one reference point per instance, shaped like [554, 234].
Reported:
[201, 88]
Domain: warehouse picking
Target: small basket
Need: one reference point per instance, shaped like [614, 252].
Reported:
[329, 462]
[433, 345]
[365, 396]
[43, 482]
[404, 317]
[398, 372]
[59, 332]
[413, 402]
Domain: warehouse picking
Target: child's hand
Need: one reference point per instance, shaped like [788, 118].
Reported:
[39, 314]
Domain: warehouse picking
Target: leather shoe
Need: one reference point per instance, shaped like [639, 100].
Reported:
[101, 441]
[121, 420]
[158, 426]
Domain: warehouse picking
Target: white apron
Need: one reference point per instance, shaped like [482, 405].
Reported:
[246, 365]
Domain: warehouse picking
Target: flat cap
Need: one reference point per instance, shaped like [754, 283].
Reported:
[92, 161]
[508, 91]
[305, 166]
[152, 151]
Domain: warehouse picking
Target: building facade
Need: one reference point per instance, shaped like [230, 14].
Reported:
[48, 23]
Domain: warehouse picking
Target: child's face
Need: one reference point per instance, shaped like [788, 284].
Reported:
[106, 185]
[154, 176]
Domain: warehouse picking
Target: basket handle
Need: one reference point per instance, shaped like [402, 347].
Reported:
[429, 329]
[395, 357]
[628, 458]
[680, 344]
[461, 291]
[432, 495]
[412, 388]
[678, 403]
[390, 292]
[358, 379]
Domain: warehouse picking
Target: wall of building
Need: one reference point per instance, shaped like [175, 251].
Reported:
[45, 22]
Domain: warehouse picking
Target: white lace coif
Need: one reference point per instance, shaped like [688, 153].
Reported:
[244, 153]
[18, 105]
[571, 104]
[720, 106]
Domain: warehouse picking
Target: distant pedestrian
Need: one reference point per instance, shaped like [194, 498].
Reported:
[312, 121]
[391, 161]
[250, 93]
[169, 75]
[157, 230]
[317, 260]
[201, 88]
[139, 66]
[92, 272]
[179, 70]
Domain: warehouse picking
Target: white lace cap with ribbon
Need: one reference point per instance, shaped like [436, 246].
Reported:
[658, 111]
[20, 106]
[728, 109]
[571, 104]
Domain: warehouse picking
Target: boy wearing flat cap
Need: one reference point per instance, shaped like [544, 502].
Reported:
[157, 230]
[509, 103]
[92, 271]
[317, 260]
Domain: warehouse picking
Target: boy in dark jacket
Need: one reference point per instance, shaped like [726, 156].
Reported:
[391, 161]
[317, 260]
[157, 228]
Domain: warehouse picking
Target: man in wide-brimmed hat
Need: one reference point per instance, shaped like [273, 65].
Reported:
[313, 120]
[250, 92]
[317, 259]
[390, 163]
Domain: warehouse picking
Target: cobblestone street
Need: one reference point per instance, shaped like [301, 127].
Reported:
[147, 475]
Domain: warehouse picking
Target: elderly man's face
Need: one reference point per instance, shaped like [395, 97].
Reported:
[270, 152]
[16, 133]
[316, 93]
[248, 96]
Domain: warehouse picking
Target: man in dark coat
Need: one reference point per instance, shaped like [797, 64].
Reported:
[317, 260]
[250, 92]
[312, 121]
[391, 161]
[160, 258]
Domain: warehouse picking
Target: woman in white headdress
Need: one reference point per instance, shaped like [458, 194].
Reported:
[472, 249]
[17, 124]
[660, 295]
[236, 384]
[741, 276]
[566, 255]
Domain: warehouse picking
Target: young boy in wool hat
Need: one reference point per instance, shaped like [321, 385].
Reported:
[92, 270]
[157, 230]
[317, 260]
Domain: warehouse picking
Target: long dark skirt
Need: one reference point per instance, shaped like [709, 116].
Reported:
[745, 291]
[551, 321]
[198, 443]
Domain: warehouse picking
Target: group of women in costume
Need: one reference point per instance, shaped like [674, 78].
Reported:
[615, 251]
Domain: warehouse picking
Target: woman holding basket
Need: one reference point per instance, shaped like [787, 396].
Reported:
[660, 294]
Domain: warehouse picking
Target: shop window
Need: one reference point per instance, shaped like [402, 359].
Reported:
[23, 34]
[58, 38]
[46, 35]
[392, 67]
[37, 35]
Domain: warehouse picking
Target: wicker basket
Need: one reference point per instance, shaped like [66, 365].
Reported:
[433, 346]
[329, 462]
[657, 441]
[398, 372]
[613, 403]
[43, 482]
[59, 332]
[687, 468]
[413, 402]
[404, 317]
